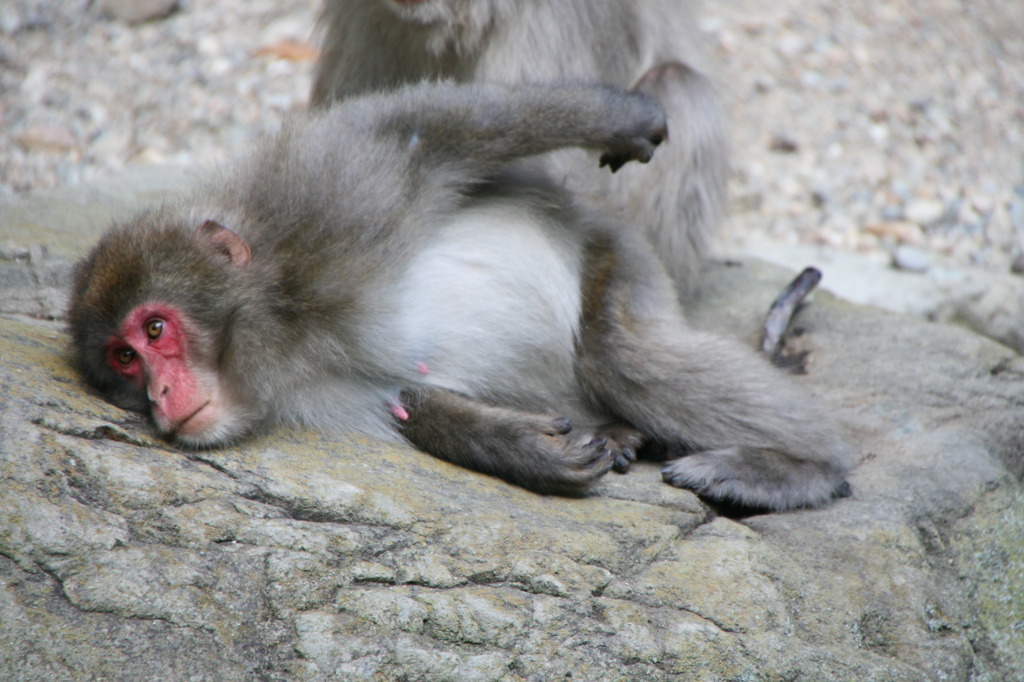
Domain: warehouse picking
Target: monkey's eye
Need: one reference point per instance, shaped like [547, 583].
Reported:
[124, 355]
[154, 328]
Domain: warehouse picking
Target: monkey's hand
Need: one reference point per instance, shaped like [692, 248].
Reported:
[538, 452]
[648, 129]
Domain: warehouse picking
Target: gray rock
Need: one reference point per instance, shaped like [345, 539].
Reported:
[326, 557]
[997, 311]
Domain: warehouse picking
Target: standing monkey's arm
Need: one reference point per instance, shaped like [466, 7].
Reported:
[482, 128]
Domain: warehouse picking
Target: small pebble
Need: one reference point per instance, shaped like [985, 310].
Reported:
[136, 11]
[1017, 267]
[782, 142]
[924, 212]
[910, 259]
[1017, 216]
[791, 44]
[902, 231]
[891, 212]
[43, 137]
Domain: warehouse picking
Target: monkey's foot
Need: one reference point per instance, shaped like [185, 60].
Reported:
[756, 479]
[622, 443]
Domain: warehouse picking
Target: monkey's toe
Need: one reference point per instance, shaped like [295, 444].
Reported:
[623, 443]
[623, 460]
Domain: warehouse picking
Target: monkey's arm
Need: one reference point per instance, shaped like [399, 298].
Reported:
[397, 157]
[537, 452]
[482, 128]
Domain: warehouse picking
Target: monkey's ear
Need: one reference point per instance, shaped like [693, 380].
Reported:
[224, 240]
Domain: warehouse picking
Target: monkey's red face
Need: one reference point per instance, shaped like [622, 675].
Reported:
[154, 349]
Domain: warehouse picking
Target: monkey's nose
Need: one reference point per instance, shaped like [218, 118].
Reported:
[157, 394]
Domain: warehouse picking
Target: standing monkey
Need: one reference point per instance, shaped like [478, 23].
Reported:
[384, 265]
[651, 46]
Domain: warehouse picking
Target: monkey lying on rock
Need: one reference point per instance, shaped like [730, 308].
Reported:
[386, 266]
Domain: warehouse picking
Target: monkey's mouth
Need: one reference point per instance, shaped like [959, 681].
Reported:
[194, 423]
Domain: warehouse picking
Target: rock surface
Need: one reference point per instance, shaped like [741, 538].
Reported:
[322, 557]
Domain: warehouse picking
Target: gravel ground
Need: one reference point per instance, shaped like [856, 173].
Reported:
[892, 128]
[865, 125]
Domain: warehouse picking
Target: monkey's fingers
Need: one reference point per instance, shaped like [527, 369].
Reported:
[598, 457]
[570, 464]
[640, 150]
[614, 163]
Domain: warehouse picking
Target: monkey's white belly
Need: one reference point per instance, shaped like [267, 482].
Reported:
[491, 307]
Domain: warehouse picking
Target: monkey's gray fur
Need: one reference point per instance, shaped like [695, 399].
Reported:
[406, 279]
[653, 46]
